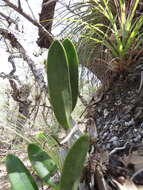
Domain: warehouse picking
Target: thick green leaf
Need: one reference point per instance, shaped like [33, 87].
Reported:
[51, 145]
[42, 163]
[59, 83]
[73, 164]
[73, 69]
[20, 177]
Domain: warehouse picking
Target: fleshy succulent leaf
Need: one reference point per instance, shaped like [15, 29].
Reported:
[42, 163]
[59, 83]
[20, 177]
[73, 69]
[74, 163]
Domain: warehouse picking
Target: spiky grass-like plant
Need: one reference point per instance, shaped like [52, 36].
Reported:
[123, 36]
[105, 31]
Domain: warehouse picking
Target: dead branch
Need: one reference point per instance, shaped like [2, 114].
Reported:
[46, 20]
[15, 44]
[46, 33]
[11, 60]
[8, 19]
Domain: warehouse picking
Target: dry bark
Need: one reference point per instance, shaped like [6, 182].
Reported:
[47, 35]
[46, 20]
[16, 44]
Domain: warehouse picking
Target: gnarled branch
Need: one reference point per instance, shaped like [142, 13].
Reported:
[47, 35]
[15, 44]
[46, 20]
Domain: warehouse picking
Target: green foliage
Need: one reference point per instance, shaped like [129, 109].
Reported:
[107, 31]
[111, 24]
[123, 26]
[59, 83]
[62, 72]
[45, 167]
[42, 163]
[18, 174]
[73, 69]
[73, 164]
[50, 145]
[125, 29]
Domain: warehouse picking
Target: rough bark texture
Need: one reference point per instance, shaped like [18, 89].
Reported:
[16, 44]
[118, 117]
[44, 34]
[46, 20]
[119, 114]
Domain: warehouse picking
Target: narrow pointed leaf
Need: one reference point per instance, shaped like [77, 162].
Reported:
[74, 163]
[20, 177]
[42, 163]
[59, 83]
[73, 69]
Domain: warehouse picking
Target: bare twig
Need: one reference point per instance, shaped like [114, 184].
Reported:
[30, 9]
[8, 19]
[15, 44]
[11, 60]
[47, 34]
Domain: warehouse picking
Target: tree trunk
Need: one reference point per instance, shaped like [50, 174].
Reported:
[118, 118]
[119, 115]
[46, 20]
